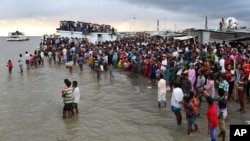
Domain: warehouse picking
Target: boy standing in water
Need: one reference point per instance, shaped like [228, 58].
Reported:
[176, 101]
[190, 114]
[20, 61]
[111, 73]
[10, 66]
[97, 68]
[75, 97]
[194, 102]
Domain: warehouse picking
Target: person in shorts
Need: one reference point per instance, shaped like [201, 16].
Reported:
[176, 101]
[67, 99]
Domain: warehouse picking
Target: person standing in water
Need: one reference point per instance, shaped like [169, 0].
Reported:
[75, 97]
[162, 89]
[27, 60]
[20, 61]
[67, 99]
[176, 102]
[10, 65]
[111, 72]
[97, 68]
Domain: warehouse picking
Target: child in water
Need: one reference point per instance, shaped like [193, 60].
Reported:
[10, 66]
[111, 74]
[190, 114]
[194, 102]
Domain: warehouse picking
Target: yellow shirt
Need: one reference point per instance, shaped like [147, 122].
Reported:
[90, 60]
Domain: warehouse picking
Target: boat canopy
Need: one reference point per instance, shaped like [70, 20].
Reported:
[184, 38]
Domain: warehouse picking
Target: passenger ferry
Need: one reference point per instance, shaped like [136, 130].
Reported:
[93, 32]
[17, 36]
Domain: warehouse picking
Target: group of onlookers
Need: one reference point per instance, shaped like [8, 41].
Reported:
[85, 27]
[217, 71]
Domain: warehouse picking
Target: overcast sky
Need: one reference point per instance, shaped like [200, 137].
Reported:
[38, 17]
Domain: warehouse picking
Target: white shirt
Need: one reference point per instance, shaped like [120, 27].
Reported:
[162, 90]
[177, 96]
[20, 61]
[27, 57]
[222, 65]
[90, 52]
[50, 54]
[105, 58]
[163, 64]
[224, 111]
[42, 54]
[175, 54]
[64, 51]
[76, 95]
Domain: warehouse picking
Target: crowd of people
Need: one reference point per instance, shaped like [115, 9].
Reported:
[85, 27]
[216, 71]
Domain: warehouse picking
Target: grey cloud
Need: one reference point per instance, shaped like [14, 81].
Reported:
[211, 8]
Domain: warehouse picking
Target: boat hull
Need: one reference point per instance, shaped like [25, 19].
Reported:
[17, 36]
[27, 39]
[93, 37]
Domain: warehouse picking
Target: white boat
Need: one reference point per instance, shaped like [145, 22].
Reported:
[93, 32]
[17, 36]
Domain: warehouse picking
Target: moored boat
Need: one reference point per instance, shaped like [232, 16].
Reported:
[93, 32]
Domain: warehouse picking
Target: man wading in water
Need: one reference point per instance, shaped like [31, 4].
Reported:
[67, 99]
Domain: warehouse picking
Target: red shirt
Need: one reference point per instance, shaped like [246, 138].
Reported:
[158, 65]
[246, 68]
[228, 76]
[227, 62]
[212, 115]
[10, 65]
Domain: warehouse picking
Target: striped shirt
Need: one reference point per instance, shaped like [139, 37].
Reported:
[224, 85]
[68, 95]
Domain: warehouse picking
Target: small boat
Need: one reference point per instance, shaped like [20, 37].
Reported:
[17, 36]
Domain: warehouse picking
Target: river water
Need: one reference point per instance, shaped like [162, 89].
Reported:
[123, 109]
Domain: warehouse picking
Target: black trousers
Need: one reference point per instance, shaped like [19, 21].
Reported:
[231, 87]
[247, 90]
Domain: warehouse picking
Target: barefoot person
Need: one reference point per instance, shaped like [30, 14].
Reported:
[75, 97]
[162, 91]
[176, 101]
